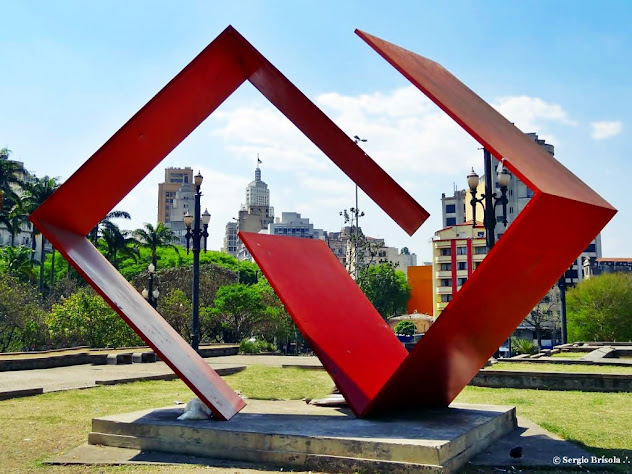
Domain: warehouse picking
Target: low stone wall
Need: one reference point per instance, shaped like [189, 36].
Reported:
[553, 381]
[50, 359]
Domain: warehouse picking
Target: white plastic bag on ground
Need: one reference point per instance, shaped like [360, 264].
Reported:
[195, 410]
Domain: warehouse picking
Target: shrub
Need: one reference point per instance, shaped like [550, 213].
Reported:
[405, 328]
[85, 319]
[523, 346]
[249, 346]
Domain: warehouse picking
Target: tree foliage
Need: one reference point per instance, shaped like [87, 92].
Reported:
[405, 328]
[16, 261]
[386, 288]
[21, 319]
[10, 176]
[154, 238]
[240, 307]
[85, 319]
[600, 309]
[545, 316]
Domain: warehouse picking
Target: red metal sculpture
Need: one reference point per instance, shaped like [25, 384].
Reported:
[477, 320]
[143, 142]
[354, 344]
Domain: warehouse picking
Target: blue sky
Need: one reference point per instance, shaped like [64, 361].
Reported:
[74, 72]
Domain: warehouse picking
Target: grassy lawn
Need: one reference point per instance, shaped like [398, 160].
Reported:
[36, 428]
[544, 367]
[569, 355]
[600, 422]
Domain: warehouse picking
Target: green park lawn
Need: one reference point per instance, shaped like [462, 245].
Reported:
[569, 355]
[36, 428]
[574, 368]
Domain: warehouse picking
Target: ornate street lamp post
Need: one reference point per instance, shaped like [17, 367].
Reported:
[196, 236]
[491, 199]
[152, 294]
[356, 212]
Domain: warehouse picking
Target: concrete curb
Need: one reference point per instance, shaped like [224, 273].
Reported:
[28, 392]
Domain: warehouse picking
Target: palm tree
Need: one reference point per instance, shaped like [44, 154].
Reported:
[106, 222]
[154, 238]
[10, 174]
[118, 244]
[36, 193]
[14, 218]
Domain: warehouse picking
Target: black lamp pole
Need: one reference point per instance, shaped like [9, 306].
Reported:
[491, 200]
[196, 237]
[356, 211]
[151, 295]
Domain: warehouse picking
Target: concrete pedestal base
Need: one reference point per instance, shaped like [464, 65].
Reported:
[300, 436]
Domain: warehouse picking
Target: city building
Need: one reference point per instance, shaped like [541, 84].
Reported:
[456, 252]
[421, 289]
[598, 266]
[291, 224]
[338, 243]
[254, 216]
[181, 204]
[174, 179]
[230, 239]
[456, 209]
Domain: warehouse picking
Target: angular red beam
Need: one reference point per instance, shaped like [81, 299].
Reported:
[355, 345]
[144, 141]
[564, 216]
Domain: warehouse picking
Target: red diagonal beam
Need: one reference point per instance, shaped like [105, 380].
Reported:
[558, 223]
[357, 348]
[142, 143]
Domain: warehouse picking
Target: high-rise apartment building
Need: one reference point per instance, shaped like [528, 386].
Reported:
[174, 179]
[457, 209]
[456, 252]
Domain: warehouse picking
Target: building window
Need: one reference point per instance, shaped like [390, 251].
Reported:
[446, 282]
[446, 298]
[461, 281]
[446, 252]
[481, 235]
[446, 267]
[591, 248]
[450, 221]
[480, 250]
[462, 265]
[461, 250]
[450, 209]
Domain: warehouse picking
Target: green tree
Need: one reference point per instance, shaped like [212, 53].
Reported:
[405, 328]
[176, 308]
[16, 261]
[241, 307]
[105, 223]
[22, 324]
[155, 238]
[84, 318]
[14, 217]
[386, 288]
[36, 193]
[600, 308]
[118, 244]
[545, 316]
[10, 175]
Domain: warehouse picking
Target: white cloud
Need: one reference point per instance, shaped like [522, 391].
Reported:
[603, 130]
[532, 114]
[412, 139]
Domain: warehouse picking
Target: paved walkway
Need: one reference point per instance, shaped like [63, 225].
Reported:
[84, 376]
